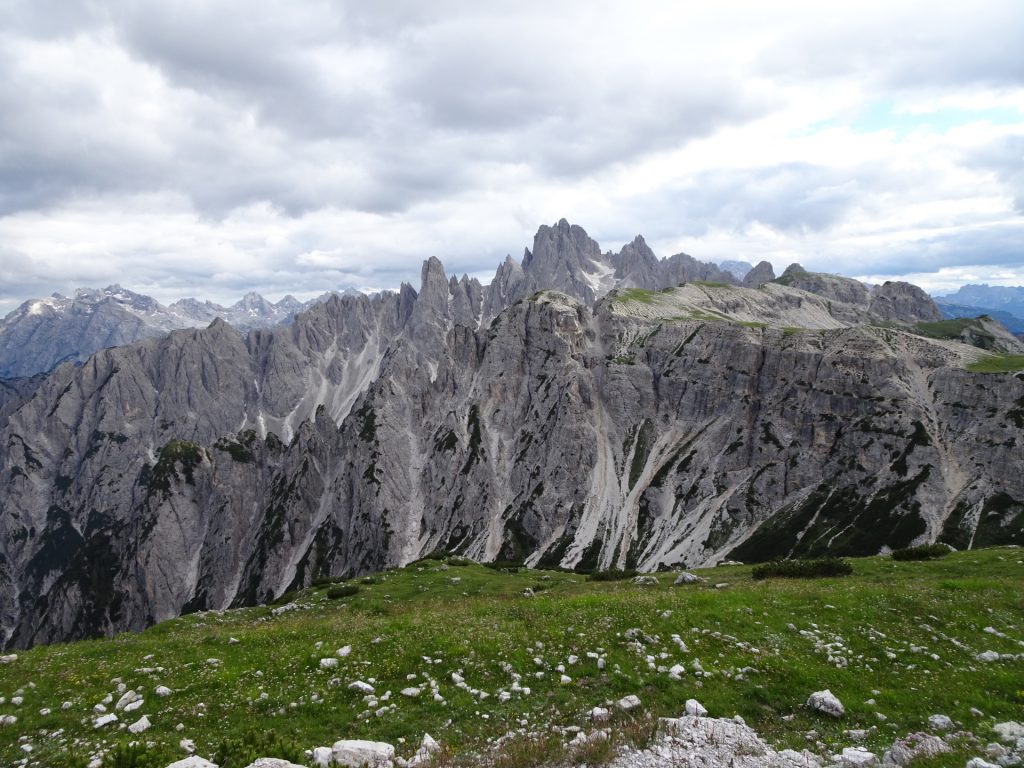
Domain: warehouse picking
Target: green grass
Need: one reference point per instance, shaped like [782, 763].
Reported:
[636, 294]
[998, 364]
[947, 329]
[871, 635]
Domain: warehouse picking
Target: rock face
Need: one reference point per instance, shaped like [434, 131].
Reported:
[651, 429]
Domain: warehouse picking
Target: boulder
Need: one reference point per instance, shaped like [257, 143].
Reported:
[140, 725]
[940, 722]
[977, 762]
[103, 720]
[913, 746]
[272, 762]
[356, 753]
[826, 703]
[322, 757]
[1011, 730]
[194, 761]
[628, 703]
[687, 578]
[428, 748]
[857, 757]
[694, 708]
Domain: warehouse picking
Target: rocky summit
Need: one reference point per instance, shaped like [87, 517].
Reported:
[586, 409]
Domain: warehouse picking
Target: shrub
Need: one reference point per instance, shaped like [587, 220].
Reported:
[506, 566]
[287, 597]
[238, 753]
[459, 561]
[343, 590]
[611, 575]
[923, 552]
[803, 569]
[326, 581]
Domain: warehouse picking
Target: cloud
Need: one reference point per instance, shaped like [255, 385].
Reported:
[204, 148]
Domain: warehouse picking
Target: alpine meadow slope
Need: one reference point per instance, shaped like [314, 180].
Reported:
[587, 409]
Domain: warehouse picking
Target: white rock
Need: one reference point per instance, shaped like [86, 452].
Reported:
[1011, 730]
[913, 746]
[272, 762]
[126, 699]
[826, 703]
[628, 703]
[565, 679]
[322, 757]
[162, 691]
[428, 748]
[360, 686]
[103, 720]
[694, 708]
[355, 753]
[676, 671]
[137, 704]
[600, 715]
[193, 762]
[857, 757]
[188, 745]
[987, 656]
[44, 711]
[17, 700]
[940, 722]
[977, 762]
[342, 652]
[411, 692]
[140, 725]
[9, 658]
[232, 641]
[328, 663]
[687, 578]
[8, 720]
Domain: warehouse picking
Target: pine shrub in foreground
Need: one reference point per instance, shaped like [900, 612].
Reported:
[612, 575]
[803, 569]
[343, 590]
[923, 552]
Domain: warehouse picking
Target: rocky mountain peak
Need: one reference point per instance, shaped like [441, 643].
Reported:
[895, 300]
[759, 275]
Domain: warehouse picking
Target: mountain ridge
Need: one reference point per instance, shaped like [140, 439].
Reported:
[651, 428]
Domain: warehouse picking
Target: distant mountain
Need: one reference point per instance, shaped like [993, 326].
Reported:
[1012, 322]
[42, 333]
[738, 269]
[1001, 298]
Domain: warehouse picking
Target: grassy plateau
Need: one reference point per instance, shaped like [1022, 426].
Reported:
[895, 641]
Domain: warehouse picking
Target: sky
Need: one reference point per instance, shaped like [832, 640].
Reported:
[212, 148]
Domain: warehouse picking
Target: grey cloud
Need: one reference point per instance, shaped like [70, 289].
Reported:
[1004, 158]
[793, 198]
[908, 47]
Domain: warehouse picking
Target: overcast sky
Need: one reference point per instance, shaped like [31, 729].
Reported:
[211, 148]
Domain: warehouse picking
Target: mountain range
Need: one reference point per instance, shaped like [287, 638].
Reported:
[585, 409]
[1003, 303]
[42, 333]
